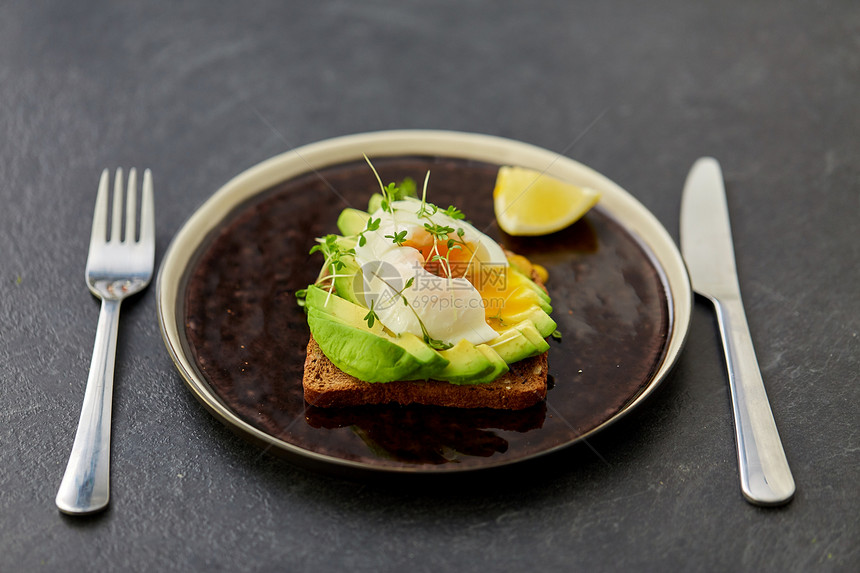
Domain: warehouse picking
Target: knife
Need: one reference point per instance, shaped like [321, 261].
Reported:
[706, 244]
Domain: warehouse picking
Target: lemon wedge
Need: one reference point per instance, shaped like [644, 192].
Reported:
[528, 202]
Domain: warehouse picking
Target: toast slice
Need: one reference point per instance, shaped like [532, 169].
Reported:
[326, 386]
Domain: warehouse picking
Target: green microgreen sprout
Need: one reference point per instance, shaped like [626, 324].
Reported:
[371, 226]
[498, 316]
[391, 193]
[333, 263]
[407, 188]
[438, 231]
[371, 316]
[301, 294]
[435, 343]
[556, 334]
[454, 213]
[422, 210]
[386, 198]
[398, 238]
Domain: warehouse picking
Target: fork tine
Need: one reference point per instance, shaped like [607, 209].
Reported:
[100, 214]
[131, 206]
[116, 214]
[147, 211]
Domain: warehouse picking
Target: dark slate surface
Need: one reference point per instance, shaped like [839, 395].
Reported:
[638, 90]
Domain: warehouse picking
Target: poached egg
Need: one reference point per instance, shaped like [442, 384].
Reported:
[418, 281]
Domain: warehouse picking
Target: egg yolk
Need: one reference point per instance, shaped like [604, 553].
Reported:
[438, 259]
[503, 291]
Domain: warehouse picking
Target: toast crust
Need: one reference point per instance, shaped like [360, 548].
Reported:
[326, 386]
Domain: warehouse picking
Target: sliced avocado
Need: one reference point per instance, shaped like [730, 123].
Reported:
[361, 353]
[431, 361]
[512, 345]
[528, 329]
[524, 294]
[349, 314]
[532, 285]
[499, 365]
[546, 307]
[344, 282]
[544, 324]
[352, 221]
[375, 202]
[373, 355]
[465, 364]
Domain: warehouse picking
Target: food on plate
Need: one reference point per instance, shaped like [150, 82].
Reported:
[528, 202]
[415, 305]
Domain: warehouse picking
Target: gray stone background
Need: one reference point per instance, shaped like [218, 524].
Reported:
[198, 91]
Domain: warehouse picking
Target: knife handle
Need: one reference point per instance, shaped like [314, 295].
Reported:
[765, 476]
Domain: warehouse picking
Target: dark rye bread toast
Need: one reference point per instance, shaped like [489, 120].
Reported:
[327, 386]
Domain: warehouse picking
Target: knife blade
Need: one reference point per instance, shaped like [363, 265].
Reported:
[706, 244]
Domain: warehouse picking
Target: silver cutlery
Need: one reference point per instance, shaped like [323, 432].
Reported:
[119, 264]
[706, 243]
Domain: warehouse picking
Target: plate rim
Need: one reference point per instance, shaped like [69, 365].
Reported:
[616, 202]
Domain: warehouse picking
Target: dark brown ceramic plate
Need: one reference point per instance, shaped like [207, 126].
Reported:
[227, 308]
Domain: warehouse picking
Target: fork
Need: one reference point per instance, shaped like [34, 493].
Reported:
[118, 265]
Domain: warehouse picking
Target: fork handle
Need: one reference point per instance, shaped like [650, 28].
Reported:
[86, 484]
[765, 476]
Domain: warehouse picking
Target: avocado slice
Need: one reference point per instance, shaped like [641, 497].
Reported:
[352, 221]
[375, 202]
[361, 353]
[524, 294]
[344, 283]
[530, 290]
[349, 314]
[543, 322]
[430, 361]
[499, 365]
[466, 364]
[530, 331]
[531, 284]
[512, 345]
